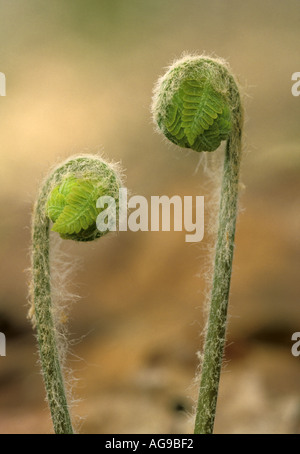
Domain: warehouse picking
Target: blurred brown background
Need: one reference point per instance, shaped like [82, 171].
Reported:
[79, 79]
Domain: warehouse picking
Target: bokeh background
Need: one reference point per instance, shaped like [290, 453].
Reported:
[79, 79]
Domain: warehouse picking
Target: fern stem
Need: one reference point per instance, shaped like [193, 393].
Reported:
[43, 311]
[46, 332]
[216, 332]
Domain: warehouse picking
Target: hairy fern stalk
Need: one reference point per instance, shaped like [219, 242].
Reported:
[68, 198]
[197, 105]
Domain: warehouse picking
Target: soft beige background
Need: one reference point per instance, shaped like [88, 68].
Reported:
[79, 78]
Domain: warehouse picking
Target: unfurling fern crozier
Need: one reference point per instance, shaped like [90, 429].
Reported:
[68, 198]
[72, 206]
[196, 105]
[190, 104]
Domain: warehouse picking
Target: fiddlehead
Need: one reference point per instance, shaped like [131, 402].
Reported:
[68, 197]
[197, 105]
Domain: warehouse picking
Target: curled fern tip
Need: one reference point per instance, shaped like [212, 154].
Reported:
[71, 205]
[191, 106]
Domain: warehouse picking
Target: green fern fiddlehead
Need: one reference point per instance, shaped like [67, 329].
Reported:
[196, 105]
[197, 117]
[191, 104]
[68, 198]
[72, 207]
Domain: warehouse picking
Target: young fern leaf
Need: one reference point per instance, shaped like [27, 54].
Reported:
[78, 208]
[57, 198]
[196, 104]
[68, 198]
[191, 112]
[201, 107]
